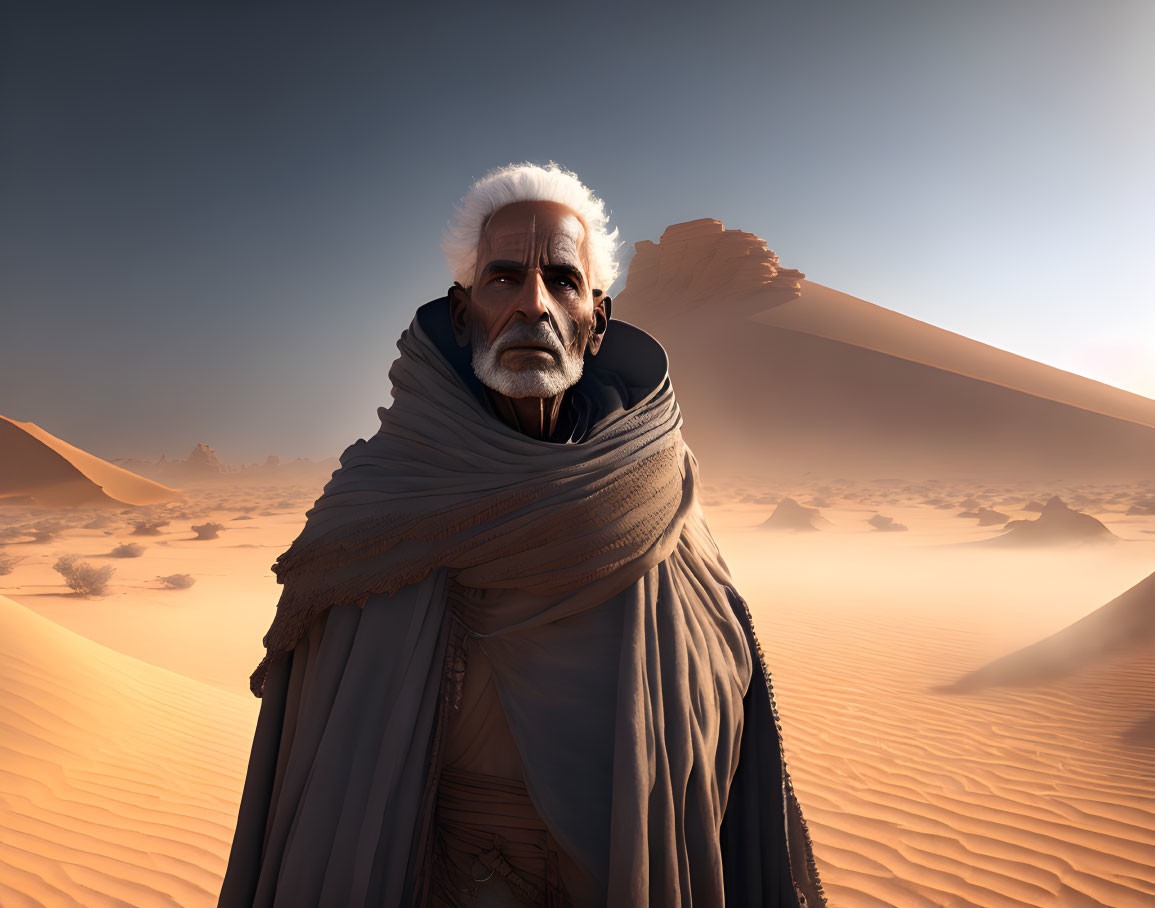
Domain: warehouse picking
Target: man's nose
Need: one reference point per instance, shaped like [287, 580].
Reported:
[535, 299]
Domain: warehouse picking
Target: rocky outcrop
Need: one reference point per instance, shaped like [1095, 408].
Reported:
[698, 262]
[790, 515]
[1056, 525]
[204, 458]
[987, 517]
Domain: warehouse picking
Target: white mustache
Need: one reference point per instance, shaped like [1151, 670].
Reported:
[539, 334]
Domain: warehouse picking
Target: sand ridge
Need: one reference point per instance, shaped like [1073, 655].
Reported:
[49, 470]
[120, 780]
[1025, 796]
[127, 776]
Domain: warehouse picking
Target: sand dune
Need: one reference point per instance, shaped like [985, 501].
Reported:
[119, 781]
[1124, 624]
[44, 470]
[828, 313]
[773, 385]
[1011, 797]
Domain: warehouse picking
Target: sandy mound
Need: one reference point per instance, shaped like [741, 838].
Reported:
[790, 515]
[1015, 797]
[119, 781]
[1057, 524]
[828, 384]
[43, 470]
[1125, 623]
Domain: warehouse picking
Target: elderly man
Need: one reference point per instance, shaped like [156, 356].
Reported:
[509, 666]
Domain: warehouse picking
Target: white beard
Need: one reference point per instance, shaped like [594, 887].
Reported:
[545, 382]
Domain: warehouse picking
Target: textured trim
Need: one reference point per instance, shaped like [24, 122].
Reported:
[809, 892]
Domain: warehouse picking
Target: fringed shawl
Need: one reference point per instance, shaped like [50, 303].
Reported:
[443, 484]
[625, 661]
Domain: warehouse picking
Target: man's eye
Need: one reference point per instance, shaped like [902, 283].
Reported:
[566, 282]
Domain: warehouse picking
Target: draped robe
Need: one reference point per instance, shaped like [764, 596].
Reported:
[625, 661]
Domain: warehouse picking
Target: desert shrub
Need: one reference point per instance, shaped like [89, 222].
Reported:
[208, 530]
[177, 581]
[84, 578]
[8, 563]
[46, 530]
[128, 550]
[148, 527]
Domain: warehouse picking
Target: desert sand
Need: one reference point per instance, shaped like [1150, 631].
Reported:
[38, 468]
[120, 780]
[967, 720]
[1024, 794]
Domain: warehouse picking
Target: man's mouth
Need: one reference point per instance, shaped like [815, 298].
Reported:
[542, 348]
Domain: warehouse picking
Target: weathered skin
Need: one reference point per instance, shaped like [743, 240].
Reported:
[532, 265]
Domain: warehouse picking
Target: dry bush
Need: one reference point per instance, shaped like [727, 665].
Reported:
[84, 578]
[208, 530]
[128, 550]
[46, 530]
[148, 527]
[177, 581]
[8, 563]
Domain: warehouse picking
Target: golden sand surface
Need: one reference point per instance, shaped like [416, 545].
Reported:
[126, 719]
[1030, 796]
[119, 780]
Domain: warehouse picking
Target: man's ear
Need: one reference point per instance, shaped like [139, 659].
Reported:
[459, 313]
[601, 323]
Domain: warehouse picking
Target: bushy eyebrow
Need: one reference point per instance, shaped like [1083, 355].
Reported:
[519, 267]
[502, 265]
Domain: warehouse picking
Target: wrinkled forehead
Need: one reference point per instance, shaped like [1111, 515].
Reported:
[534, 231]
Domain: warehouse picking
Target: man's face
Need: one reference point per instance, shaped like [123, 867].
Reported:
[530, 313]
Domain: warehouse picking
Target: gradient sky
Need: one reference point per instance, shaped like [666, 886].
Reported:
[217, 217]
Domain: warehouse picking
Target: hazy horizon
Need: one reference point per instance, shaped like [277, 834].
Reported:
[219, 219]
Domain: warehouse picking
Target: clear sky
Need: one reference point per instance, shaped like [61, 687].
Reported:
[217, 217]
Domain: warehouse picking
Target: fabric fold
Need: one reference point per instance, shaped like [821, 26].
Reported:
[624, 661]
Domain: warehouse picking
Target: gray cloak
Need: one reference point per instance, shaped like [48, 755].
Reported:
[625, 662]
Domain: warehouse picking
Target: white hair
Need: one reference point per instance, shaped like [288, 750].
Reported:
[529, 183]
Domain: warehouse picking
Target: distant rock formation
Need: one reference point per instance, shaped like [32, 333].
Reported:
[1056, 525]
[204, 458]
[886, 524]
[987, 517]
[780, 377]
[1126, 622]
[697, 262]
[204, 466]
[790, 515]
